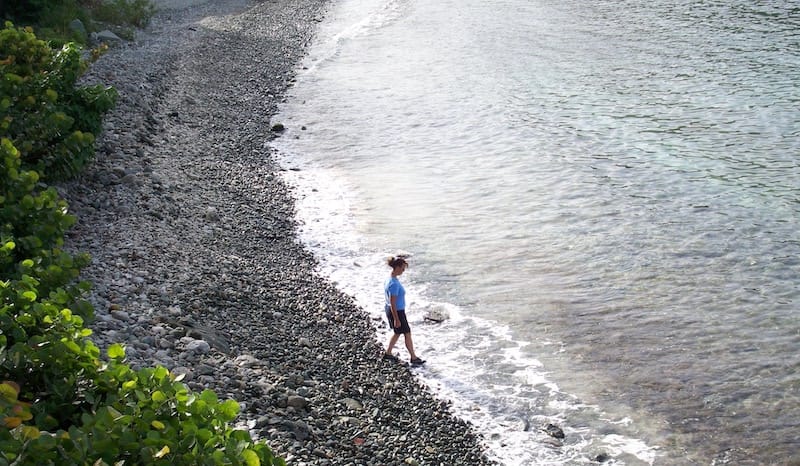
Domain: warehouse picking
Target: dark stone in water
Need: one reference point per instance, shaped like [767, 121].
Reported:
[554, 431]
[602, 458]
[278, 128]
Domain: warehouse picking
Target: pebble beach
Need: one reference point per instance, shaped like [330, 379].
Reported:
[196, 265]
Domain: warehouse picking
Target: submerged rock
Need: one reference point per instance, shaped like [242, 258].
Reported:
[602, 457]
[554, 431]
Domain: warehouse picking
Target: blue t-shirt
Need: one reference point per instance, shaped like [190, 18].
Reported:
[393, 287]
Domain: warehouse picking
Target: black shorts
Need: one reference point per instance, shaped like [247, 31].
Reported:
[401, 314]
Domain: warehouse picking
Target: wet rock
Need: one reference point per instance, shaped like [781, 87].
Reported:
[554, 431]
[602, 457]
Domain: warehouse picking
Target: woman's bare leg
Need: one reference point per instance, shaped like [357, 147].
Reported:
[410, 345]
[392, 342]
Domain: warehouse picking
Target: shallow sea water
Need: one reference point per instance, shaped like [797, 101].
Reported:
[603, 196]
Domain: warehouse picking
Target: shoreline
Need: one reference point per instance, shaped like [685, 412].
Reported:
[196, 262]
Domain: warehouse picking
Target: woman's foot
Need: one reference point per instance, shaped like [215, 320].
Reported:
[417, 361]
[390, 357]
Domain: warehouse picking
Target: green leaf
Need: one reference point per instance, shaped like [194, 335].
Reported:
[46, 442]
[184, 396]
[8, 391]
[251, 458]
[204, 435]
[209, 396]
[230, 408]
[160, 373]
[116, 351]
[30, 432]
[114, 413]
[72, 346]
[162, 453]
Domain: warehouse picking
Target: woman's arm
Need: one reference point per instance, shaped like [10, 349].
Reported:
[393, 300]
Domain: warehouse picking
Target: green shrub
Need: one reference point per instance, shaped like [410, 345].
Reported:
[145, 417]
[44, 349]
[49, 119]
[33, 221]
[39, 284]
[155, 419]
[124, 12]
[40, 11]
[52, 18]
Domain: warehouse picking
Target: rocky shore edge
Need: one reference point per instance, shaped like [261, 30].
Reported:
[196, 264]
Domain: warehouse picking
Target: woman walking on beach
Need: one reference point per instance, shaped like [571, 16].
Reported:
[396, 310]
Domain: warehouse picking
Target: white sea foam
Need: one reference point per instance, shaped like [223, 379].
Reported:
[343, 25]
[491, 380]
[500, 404]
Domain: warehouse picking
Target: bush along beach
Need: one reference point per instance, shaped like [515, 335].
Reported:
[50, 120]
[62, 400]
[64, 21]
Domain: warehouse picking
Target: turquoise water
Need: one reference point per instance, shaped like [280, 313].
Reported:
[603, 196]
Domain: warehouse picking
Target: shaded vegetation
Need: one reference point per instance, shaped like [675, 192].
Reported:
[54, 19]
